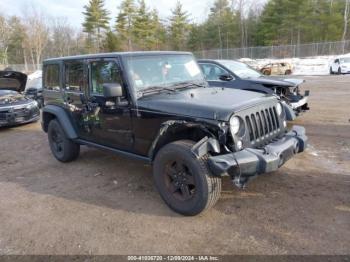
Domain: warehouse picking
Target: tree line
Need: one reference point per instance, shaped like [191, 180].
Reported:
[229, 24]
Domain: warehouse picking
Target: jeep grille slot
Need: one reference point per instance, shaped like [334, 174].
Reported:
[266, 128]
[255, 126]
[250, 128]
[263, 125]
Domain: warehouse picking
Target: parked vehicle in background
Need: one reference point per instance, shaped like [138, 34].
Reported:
[157, 107]
[282, 68]
[340, 65]
[234, 74]
[34, 90]
[15, 107]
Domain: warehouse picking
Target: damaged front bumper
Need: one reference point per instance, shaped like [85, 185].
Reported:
[10, 116]
[302, 104]
[249, 162]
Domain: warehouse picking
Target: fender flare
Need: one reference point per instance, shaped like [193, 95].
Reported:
[169, 126]
[63, 118]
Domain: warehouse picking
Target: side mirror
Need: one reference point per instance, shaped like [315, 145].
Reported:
[226, 77]
[112, 90]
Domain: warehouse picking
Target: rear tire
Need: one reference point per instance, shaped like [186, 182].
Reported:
[63, 149]
[184, 182]
[288, 72]
[330, 71]
[339, 71]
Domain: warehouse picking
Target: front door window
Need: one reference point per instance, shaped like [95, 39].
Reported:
[103, 72]
[212, 72]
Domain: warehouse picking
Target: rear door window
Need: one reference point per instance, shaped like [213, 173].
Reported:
[74, 76]
[52, 77]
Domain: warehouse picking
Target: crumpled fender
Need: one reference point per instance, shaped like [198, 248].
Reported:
[171, 125]
[206, 145]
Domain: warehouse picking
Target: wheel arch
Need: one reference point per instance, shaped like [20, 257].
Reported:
[51, 112]
[171, 131]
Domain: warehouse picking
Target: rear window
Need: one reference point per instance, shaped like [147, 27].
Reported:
[52, 77]
[74, 76]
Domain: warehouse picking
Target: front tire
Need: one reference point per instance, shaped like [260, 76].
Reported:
[63, 149]
[339, 71]
[184, 182]
[330, 71]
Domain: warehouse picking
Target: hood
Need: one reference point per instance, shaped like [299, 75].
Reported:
[12, 80]
[271, 81]
[210, 103]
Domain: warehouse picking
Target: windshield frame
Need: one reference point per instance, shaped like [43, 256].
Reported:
[134, 90]
[222, 64]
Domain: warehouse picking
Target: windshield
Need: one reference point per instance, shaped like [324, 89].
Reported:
[240, 69]
[162, 71]
[345, 60]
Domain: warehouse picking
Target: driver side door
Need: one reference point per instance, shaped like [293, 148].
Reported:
[110, 119]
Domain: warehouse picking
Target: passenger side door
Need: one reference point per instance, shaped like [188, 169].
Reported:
[110, 119]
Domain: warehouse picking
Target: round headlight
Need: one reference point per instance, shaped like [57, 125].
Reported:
[279, 109]
[234, 125]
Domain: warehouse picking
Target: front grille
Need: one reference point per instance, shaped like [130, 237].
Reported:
[21, 112]
[262, 124]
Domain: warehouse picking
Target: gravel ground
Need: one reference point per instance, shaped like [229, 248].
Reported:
[105, 204]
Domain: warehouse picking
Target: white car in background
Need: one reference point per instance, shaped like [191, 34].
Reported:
[340, 65]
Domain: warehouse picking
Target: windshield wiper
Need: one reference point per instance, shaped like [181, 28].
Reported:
[155, 89]
[187, 84]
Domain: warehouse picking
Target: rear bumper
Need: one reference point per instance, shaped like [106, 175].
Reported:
[251, 162]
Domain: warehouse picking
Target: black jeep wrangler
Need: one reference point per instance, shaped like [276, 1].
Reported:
[157, 107]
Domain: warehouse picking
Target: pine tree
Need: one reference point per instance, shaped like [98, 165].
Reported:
[158, 30]
[142, 29]
[111, 43]
[17, 37]
[179, 27]
[96, 19]
[125, 21]
[194, 42]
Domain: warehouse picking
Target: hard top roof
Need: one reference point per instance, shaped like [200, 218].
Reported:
[115, 54]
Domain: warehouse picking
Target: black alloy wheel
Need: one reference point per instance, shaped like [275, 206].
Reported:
[184, 181]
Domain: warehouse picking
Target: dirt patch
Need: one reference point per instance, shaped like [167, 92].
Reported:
[104, 204]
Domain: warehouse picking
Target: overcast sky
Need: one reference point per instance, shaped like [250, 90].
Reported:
[72, 9]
